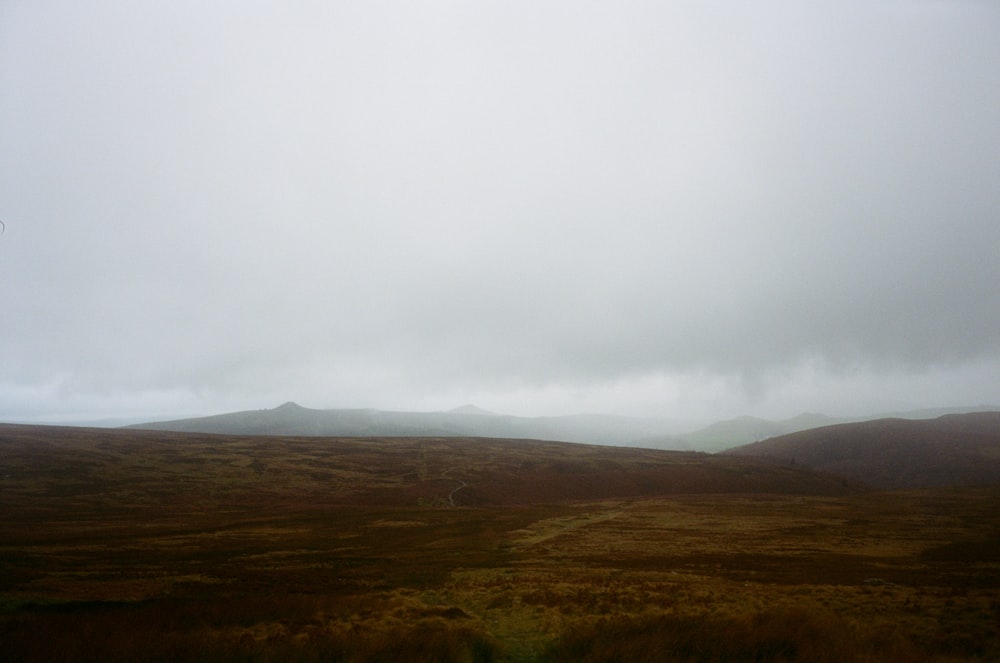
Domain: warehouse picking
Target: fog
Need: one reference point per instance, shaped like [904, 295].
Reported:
[682, 209]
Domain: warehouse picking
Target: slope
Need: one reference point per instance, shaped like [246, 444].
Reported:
[466, 421]
[951, 450]
[128, 466]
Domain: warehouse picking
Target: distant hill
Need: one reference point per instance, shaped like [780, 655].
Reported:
[466, 421]
[472, 421]
[744, 430]
[472, 409]
[951, 450]
[725, 434]
[60, 463]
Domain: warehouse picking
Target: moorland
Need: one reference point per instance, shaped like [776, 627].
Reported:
[953, 449]
[471, 421]
[137, 545]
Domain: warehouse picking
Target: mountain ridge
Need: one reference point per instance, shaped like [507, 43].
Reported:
[467, 420]
[290, 418]
[469, 408]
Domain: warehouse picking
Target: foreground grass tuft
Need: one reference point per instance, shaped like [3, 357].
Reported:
[779, 636]
[119, 636]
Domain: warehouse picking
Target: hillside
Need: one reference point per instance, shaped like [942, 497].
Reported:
[124, 545]
[951, 450]
[466, 421]
[368, 471]
[472, 421]
[742, 430]
[731, 433]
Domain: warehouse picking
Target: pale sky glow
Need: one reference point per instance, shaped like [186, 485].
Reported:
[684, 209]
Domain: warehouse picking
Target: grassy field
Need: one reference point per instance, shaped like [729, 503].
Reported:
[138, 546]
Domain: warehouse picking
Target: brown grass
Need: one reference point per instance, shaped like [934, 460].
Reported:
[120, 546]
[782, 635]
[953, 450]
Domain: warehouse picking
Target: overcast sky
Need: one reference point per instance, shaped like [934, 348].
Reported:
[689, 209]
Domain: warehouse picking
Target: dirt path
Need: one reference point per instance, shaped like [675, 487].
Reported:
[451, 495]
[550, 528]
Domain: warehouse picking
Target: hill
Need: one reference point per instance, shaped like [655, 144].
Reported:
[731, 432]
[465, 421]
[367, 471]
[472, 421]
[951, 450]
[125, 545]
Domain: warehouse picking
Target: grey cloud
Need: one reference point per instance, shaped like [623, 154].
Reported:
[386, 202]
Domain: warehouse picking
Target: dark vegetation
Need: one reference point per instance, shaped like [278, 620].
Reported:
[124, 545]
[814, 635]
[952, 450]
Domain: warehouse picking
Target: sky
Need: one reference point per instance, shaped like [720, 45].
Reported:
[689, 209]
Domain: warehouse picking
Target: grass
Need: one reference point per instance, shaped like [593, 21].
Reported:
[123, 546]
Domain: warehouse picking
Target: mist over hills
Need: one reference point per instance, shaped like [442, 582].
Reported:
[951, 450]
[957, 448]
[465, 421]
[741, 430]
[472, 421]
[730, 433]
